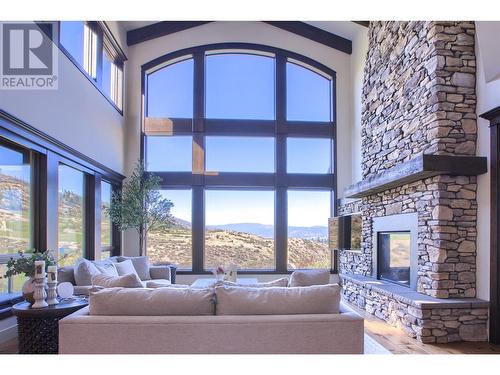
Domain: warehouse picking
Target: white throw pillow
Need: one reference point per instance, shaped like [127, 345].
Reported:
[125, 267]
[107, 268]
[84, 270]
[130, 280]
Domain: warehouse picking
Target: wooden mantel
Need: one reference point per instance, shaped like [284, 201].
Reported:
[421, 167]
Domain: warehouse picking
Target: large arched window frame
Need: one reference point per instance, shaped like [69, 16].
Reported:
[198, 127]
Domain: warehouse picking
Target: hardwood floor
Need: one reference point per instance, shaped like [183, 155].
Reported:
[9, 347]
[396, 341]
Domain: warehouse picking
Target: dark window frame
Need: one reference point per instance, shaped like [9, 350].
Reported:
[105, 42]
[279, 128]
[47, 154]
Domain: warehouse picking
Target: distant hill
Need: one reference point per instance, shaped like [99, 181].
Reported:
[267, 231]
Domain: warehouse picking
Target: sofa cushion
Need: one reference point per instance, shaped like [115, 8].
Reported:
[125, 268]
[239, 300]
[84, 270]
[158, 283]
[309, 277]
[153, 302]
[141, 265]
[283, 282]
[130, 280]
[160, 272]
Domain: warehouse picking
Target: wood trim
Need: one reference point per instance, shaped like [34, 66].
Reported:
[160, 29]
[303, 29]
[362, 23]
[494, 319]
[315, 34]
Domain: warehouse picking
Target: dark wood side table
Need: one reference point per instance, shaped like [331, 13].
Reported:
[38, 329]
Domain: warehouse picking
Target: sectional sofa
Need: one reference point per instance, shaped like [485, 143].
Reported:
[227, 319]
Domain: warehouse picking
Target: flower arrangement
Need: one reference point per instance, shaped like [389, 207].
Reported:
[219, 270]
[25, 263]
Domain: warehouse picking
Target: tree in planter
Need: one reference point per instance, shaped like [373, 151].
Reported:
[139, 205]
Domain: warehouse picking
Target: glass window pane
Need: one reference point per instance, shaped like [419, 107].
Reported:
[15, 200]
[106, 225]
[308, 213]
[174, 244]
[169, 154]
[107, 68]
[170, 91]
[16, 282]
[71, 210]
[240, 154]
[239, 86]
[309, 155]
[72, 39]
[308, 95]
[239, 229]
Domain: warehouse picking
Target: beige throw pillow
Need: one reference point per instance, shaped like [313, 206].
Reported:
[152, 302]
[83, 272]
[130, 280]
[125, 268]
[239, 300]
[141, 265]
[309, 277]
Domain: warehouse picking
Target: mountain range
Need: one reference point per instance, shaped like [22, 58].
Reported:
[267, 231]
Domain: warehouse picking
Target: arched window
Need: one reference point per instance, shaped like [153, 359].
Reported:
[243, 138]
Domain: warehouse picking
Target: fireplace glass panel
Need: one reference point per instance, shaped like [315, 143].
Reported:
[394, 257]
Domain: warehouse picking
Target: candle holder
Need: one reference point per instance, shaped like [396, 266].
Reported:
[52, 293]
[39, 294]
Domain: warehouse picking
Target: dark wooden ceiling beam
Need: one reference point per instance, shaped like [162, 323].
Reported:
[303, 29]
[315, 34]
[159, 29]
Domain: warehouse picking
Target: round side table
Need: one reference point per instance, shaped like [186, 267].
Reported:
[38, 329]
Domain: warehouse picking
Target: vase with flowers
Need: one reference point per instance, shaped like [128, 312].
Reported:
[219, 273]
[24, 263]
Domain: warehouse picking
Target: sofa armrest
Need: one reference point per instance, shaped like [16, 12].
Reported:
[160, 272]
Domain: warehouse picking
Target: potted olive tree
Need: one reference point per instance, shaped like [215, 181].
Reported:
[140, 206]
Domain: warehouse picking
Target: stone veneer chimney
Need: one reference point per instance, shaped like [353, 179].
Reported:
[419, 98]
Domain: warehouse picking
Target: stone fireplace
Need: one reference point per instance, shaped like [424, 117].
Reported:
[419, 181]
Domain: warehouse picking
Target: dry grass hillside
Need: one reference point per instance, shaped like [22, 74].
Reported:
[247, 250]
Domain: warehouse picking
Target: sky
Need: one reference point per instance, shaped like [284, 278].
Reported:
[305, 208]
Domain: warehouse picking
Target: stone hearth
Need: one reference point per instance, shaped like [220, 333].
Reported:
[428, 319]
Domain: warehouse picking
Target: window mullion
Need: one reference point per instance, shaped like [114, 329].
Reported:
[281, 215]
[198, 198]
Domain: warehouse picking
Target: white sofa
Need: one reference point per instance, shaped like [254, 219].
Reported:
[81, 333]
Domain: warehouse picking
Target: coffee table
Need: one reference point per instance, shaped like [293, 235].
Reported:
[209, 282]
[38, 329]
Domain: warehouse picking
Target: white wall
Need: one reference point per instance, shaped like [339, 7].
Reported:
[76, 114]
[488, 97]
[249, 32]
[359, 51]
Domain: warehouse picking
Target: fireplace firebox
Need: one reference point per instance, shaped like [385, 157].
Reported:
[394, 252]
